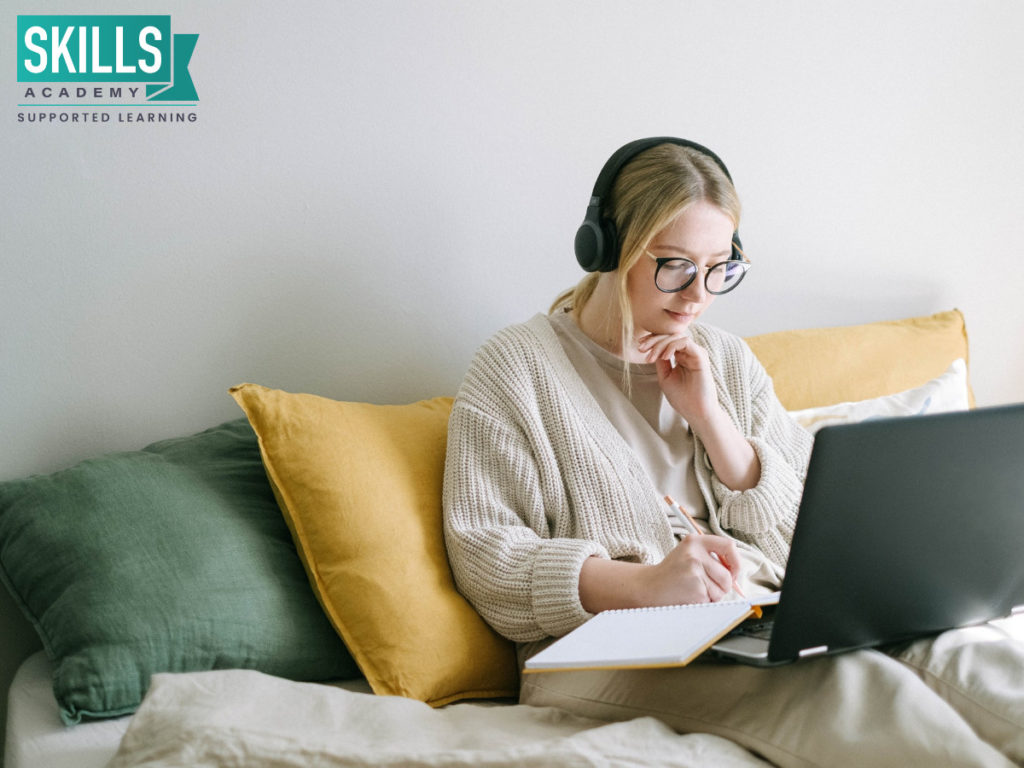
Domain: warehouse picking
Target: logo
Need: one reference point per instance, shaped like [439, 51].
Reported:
[104, 68]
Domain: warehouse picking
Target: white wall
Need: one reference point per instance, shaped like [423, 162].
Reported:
[372, 188]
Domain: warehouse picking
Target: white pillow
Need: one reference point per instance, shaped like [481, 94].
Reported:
[947, 392]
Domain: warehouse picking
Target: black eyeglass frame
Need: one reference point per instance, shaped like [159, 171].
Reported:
[663, 260]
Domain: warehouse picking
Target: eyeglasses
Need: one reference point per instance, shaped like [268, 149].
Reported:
[676, 274]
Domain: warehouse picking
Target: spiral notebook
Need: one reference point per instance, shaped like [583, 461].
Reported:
[639, 638]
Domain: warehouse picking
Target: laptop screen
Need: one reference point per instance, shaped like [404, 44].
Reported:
[907, 526]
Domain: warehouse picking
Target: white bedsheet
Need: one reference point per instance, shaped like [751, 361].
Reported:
[36, 738]
[237, 718]
[242, 718]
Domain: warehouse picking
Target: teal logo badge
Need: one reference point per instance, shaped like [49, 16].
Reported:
[129, 50]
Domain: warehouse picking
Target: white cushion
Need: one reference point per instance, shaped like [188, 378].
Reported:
[947, 392]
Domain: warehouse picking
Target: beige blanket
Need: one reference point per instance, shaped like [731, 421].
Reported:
[242, 718]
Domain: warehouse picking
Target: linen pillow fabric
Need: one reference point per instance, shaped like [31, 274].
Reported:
[947, 392]
[170, 559]
[822, 366]
[360, 487]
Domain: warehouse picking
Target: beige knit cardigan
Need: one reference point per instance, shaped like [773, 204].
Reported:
[537, 479]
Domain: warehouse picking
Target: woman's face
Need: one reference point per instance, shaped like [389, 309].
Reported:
[702, 233]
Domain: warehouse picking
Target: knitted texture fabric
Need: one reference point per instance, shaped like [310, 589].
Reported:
[537, 479]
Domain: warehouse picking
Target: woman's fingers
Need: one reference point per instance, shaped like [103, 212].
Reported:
[718, 559]
[663, 346]
[724, 549]
[723, 565]
[719, 578]
[700, 568]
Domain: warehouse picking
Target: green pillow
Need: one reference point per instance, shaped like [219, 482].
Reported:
[174, 558]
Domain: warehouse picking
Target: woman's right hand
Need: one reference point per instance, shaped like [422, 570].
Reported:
[698, 570]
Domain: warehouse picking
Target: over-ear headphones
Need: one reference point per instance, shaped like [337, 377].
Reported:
[597, 240]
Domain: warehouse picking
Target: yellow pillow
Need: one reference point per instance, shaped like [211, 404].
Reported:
[360, 488]
[823, 366]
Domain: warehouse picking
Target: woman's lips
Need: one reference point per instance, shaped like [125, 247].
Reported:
[681, 317]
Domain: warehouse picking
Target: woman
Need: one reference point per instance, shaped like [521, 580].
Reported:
[570, 429]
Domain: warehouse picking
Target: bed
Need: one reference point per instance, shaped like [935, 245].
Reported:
[234, 596]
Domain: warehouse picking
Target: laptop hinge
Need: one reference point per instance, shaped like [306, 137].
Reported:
[818, 649]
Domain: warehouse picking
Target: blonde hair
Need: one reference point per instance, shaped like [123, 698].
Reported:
[649, 192]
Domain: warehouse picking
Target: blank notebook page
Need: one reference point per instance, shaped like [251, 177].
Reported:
[642, 637]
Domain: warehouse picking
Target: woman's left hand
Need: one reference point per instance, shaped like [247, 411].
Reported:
[688, 384]
[689, 387]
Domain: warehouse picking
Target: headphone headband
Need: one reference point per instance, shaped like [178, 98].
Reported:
[597, 243]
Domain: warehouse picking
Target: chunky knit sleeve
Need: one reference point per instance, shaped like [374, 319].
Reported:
[523, 581]
[764, 515]
[514, 542]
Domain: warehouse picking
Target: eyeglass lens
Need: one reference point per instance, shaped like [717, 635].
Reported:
[676, 274]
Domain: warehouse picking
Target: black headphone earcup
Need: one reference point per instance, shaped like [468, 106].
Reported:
[610, 256]
[596, 243]
[589, 243]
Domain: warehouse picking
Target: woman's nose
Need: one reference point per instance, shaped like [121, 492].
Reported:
[697, 290]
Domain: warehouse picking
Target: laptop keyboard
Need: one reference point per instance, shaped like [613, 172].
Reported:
[759, 628]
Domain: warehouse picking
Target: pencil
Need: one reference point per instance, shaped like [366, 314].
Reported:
[685, 519]
[690, 522]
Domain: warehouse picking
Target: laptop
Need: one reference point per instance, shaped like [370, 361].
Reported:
[907, 527]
